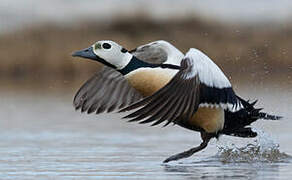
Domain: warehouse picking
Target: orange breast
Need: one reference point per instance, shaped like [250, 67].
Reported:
[148, 80]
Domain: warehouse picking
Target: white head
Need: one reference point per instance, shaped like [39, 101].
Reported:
[108, 53]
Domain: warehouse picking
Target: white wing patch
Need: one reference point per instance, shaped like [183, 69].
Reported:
[229, 106]
[209, 73]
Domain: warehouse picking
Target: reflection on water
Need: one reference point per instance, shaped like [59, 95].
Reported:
[215, 170]
[42, 137]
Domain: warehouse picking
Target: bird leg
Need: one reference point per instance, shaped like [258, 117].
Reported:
[205, 137]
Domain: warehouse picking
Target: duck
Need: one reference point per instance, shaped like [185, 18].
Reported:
[160, 84]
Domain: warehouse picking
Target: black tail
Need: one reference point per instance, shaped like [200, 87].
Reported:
[236, 122]
[254, 113]
[266, 116]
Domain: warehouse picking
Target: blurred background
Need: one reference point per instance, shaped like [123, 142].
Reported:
[250, 40]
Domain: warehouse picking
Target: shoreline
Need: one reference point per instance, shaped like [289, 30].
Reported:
[44, 52]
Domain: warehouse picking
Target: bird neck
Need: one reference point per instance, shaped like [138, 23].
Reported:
[136, 63]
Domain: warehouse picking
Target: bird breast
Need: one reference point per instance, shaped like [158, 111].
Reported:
[148, 80]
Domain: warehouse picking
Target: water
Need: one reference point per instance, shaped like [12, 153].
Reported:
[42, 137]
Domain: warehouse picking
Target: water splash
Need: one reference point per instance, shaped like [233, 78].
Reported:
[262, 149]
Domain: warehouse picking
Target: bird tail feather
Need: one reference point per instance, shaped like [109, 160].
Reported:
[256, 113]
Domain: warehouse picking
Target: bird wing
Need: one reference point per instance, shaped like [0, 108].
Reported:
[150, 54]
[107, 90]
[216, 89]
[186, 92]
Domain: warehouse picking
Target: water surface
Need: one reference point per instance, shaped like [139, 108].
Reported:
[42, 137]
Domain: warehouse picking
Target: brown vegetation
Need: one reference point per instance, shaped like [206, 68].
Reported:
[44, 52]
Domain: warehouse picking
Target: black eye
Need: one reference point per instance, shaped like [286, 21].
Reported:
[123, 50]
[106, 46]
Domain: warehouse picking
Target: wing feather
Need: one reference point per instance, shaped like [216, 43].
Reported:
[181, 97]
[216, 90]
[106, 90]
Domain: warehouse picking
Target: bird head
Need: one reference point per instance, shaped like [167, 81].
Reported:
[107, 52]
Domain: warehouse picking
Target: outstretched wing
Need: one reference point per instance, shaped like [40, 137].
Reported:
[107, 91]
[200, 82]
